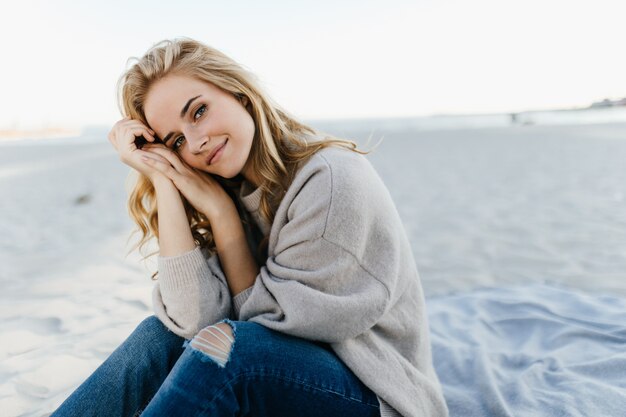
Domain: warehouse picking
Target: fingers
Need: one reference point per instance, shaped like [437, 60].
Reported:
[169, 155]
[130, 134]
[124, 133]
[159, 163]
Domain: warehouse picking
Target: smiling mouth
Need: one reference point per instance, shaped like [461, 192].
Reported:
[215, 152]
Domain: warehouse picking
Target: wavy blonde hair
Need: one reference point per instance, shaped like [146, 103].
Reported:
[278, 146]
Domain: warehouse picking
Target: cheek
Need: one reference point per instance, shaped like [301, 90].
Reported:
[250, 128]
[188, 158]
[239, 119]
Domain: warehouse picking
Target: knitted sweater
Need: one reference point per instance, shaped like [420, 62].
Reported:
[339, 269]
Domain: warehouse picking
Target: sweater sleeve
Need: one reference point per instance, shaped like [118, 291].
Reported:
[191, 292]
[313, 285]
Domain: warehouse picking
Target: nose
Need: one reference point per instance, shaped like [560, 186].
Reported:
[197, 143]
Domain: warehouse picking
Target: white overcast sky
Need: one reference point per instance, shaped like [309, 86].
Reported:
[321, 59]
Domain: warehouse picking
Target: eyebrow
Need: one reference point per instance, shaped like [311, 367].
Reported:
[182, 115]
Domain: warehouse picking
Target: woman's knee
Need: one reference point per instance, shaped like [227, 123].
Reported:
[217, 341]
[149, 322]
[149, 326]
[151, 331]
[250, 341]
[151, 342]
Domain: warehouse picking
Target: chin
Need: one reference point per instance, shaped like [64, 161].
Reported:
[229, 173]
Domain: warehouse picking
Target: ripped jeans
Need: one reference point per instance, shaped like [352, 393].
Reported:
[233, 368]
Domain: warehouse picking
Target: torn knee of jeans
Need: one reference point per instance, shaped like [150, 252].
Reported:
[215, 341]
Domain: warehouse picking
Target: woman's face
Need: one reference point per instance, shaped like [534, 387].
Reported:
[195, 118]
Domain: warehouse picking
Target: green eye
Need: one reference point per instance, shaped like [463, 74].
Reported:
[176, 144]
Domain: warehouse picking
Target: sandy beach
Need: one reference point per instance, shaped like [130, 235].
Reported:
[485, 207]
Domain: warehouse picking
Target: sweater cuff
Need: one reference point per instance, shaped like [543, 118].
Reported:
[240, 299]
[386, 410]
[176, 272]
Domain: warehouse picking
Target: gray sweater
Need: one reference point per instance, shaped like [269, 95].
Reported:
[339, 270]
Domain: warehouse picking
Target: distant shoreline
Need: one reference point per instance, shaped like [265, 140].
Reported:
[581, 115]
[46, 133]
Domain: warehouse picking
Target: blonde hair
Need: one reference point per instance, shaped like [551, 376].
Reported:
[278, 146]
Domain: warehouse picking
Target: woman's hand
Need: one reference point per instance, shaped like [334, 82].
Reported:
[202, 191]
[123, 135]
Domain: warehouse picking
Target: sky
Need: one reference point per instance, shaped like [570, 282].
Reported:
[320, 59]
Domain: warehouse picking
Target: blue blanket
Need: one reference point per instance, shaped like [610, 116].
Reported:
[530, 351]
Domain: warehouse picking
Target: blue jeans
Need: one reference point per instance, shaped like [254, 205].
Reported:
[157, 373]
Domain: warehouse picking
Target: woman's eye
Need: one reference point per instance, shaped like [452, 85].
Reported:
[176, 143]
[199, 112]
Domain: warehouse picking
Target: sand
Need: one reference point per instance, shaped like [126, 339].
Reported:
[482, 207]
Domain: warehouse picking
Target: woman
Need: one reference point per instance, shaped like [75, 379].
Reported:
[286, 283]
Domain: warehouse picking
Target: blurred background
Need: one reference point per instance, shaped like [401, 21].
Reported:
[324, 59]
[503, 128]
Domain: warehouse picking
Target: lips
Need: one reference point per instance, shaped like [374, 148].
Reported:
[214, 151]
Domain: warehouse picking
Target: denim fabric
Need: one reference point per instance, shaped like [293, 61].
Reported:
[268, 373]
[129, 377]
